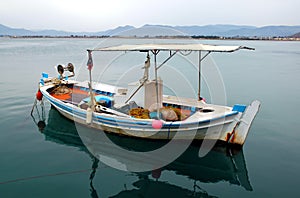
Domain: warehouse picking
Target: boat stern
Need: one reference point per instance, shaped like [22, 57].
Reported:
[240, 131]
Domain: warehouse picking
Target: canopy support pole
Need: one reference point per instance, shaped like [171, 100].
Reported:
[199, 72]
[155, 52]
[199, 76]
[171, 55]
[90, 66]
[91, 107]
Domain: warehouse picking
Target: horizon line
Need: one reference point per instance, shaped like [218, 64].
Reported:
[147, 24]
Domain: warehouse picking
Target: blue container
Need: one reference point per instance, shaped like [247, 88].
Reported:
[153, 115]
[239, 108]
[98, 98]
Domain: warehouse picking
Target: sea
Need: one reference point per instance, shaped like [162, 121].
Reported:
[42, 154]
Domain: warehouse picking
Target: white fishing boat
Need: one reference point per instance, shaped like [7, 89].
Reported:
[142, 110]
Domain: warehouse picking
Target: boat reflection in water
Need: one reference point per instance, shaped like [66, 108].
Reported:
[220, 164]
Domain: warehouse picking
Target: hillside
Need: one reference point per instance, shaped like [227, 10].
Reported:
[297, 35]
[163, 30]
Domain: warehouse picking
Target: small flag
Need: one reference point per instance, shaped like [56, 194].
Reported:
[90, 61]
[45, 75]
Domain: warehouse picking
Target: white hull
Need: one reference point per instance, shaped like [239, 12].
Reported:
[226, 128]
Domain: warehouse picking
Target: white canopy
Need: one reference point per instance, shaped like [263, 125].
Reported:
[173, 47]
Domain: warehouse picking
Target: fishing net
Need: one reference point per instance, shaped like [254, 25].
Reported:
[139, 113]
[60, 90]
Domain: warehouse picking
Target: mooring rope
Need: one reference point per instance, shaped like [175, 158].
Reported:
[47, 175]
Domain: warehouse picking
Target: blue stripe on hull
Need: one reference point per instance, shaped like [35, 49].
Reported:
[128, 123]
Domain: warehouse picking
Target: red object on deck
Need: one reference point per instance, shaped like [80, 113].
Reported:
[39, 95]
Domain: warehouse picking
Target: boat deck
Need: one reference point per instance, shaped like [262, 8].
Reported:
[197, 105]
[186, 106]
[75, 97]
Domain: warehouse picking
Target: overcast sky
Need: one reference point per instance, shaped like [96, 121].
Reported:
[98, 15]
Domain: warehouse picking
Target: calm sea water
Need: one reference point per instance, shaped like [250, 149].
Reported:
[55, 163]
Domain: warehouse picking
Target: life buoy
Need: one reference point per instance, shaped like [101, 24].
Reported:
[39, 95]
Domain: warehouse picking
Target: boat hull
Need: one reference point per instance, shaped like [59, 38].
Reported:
[215, 130]
[226, 128]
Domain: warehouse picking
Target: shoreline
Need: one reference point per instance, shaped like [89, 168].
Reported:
[161, 37]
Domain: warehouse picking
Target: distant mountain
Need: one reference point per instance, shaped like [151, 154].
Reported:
[297, 35]
[7, 31]
[117, 31]
[212, 30]
[266, 31]
[51, 33]
[4, 30]
[164, 30]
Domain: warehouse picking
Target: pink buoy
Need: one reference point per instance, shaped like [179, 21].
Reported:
[157, 124]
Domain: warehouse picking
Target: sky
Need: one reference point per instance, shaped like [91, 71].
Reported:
[99, 15]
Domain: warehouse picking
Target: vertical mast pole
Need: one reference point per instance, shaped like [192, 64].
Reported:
[199, 76]
[155, 52]
[91, 107]
[90, 66]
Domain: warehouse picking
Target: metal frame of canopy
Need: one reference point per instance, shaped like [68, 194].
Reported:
[173, 49]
